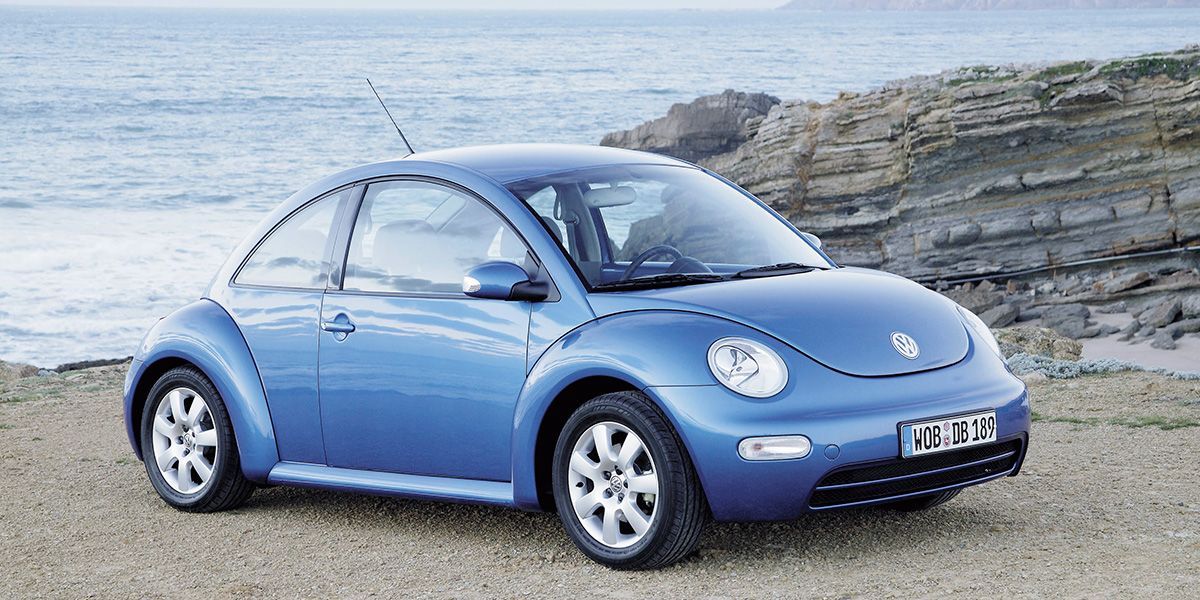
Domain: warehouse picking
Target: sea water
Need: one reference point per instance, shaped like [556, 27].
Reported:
[140, 145]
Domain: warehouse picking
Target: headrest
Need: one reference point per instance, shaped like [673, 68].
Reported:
[552, 225]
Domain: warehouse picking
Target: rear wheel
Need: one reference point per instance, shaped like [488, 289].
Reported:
[624, 487]
[188, 445]
[922, 502]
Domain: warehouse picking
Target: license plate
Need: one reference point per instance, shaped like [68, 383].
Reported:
[952, 433]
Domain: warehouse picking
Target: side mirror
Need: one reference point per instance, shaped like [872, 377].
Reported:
[812, 239]
[499, 280]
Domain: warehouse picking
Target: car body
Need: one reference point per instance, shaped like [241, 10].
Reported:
[429, 392]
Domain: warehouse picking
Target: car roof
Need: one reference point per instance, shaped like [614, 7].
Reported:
[506, 163]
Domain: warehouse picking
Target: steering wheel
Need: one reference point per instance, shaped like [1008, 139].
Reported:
[647, 254]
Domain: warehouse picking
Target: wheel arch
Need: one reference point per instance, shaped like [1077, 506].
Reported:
[632, 351]
[204, 336]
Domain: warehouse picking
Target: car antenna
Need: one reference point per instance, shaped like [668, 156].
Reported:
[389, 114]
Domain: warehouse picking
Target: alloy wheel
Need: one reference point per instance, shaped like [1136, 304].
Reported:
[613, 484]
[185, 441]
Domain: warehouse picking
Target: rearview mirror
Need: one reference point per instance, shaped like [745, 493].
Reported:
[812, 239]
[499, 280]
[619, 195]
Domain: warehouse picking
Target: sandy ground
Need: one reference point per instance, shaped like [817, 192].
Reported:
[1185, 356]
[1108, 505]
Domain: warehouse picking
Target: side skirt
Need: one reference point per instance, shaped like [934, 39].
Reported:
[425, 487]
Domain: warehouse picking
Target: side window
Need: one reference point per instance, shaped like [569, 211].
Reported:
[415, 236]
[294, 253]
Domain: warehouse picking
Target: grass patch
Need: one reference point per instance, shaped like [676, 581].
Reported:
[1163, 423]
[1150, 66]
[1072, 68]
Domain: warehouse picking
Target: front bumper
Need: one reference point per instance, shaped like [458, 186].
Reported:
[851, 421]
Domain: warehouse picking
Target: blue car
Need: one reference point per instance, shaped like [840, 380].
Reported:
[624, 338]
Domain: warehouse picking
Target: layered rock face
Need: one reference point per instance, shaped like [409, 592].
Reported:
[707, 126]
[976, 171]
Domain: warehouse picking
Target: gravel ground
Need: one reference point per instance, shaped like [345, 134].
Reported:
[1086, 518]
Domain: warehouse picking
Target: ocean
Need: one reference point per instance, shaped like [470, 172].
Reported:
[140, 145]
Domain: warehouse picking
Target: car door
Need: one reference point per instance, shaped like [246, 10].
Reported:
[415, 376]
[275, 299]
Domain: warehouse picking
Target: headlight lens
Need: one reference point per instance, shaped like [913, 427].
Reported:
[981, 329]
[747, 367]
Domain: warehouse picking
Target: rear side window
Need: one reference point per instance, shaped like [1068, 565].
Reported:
[293, 255]
[416, 236]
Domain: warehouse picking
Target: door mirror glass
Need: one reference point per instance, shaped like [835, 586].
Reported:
[499, 280]
[814, 240]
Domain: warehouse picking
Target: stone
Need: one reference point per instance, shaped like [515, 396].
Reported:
[1161, 314]
[1030, 313]
[1130, 330]
[1147, 331]
[1163, 341]
[1037, 340]
[47, 373]
[1178, 328]
[1057, 313]
[1126, 282]
[976, 300]
[1106, 329]
[13, 371]
[1115, 307]
[1001, 315]
[1190, 306]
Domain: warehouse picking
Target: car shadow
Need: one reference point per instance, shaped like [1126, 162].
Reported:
[855, 533]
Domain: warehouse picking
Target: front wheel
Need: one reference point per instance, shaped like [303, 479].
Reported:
[188, 445]
[624, 487]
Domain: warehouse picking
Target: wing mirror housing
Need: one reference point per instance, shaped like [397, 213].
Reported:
[499, 280]
[812, 239]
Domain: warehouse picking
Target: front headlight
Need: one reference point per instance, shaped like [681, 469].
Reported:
[981, 329]
[747, 367]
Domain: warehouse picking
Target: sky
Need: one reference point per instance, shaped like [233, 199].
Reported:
[430, 4]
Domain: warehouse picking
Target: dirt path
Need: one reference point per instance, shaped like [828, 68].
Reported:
[1108, 504]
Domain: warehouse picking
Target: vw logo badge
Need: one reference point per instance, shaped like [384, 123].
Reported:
[905, 345]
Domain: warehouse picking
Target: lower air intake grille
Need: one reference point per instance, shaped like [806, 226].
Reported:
[879, 481]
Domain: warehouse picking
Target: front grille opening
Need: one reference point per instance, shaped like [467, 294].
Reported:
[879, 481]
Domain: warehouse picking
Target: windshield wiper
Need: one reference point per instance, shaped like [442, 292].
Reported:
[783, 268]
[657, 281]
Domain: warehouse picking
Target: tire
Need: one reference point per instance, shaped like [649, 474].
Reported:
[922, 502]
[186, 445]
[671, 519]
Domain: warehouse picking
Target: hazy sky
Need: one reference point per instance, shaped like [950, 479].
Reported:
[430, 4]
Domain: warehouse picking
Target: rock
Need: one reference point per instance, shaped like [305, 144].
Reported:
[1039, 341]
[1179, 328]
[88, 364]
[1147, 331]
[1190, 306]
[1067, 319]
[47, 373]
[707, 126]
[13, 371]
[1115, 307]
[1125, 282]
[1030, 313]
[1001, 315]
[1162, 313]
[1130, 330]
[975, 170]
[1107, 329]
[1163, 341]
[976, 300]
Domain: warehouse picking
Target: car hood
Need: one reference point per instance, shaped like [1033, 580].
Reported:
[842, 318]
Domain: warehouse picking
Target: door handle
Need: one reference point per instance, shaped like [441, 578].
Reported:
[338, 325]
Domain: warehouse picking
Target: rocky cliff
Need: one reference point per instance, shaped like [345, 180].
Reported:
[976, 171]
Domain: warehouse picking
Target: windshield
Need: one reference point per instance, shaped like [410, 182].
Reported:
[654, 225]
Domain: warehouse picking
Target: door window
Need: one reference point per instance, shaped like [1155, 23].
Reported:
[293, 254]
[416, 236]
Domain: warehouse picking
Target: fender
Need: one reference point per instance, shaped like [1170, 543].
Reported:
[203, 334]
[645, 349]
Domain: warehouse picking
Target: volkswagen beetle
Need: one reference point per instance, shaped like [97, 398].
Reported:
[624, 338]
